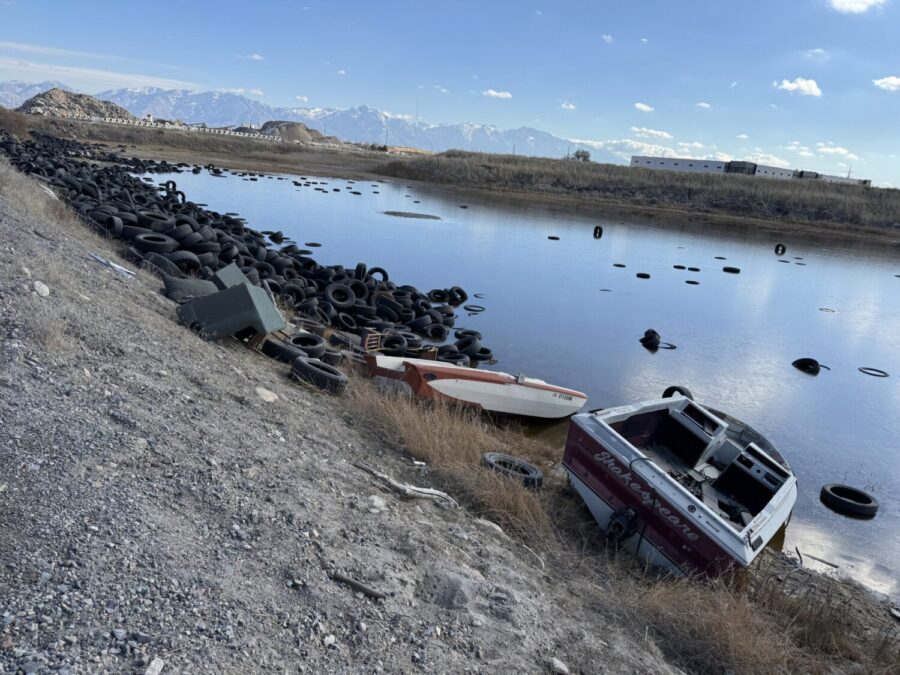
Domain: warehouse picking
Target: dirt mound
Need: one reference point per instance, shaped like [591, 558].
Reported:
[60, 103]
[295, 131]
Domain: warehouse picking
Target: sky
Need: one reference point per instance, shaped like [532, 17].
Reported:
[810, 84]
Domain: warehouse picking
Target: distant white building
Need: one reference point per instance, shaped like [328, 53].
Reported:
[679, 164]
[738, 167]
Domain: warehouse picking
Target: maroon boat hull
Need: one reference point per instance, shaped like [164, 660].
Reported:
[660, 523]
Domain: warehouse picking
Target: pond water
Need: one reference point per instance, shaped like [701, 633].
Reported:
[560, 310]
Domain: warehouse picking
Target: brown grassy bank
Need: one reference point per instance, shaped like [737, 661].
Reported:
[793, 202]
[770, 622]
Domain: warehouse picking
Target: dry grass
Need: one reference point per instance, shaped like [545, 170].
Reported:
[793, 201]
[700, 626]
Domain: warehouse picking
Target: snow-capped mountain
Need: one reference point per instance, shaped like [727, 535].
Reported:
[360, 124]
[215, 108]
[14, 93]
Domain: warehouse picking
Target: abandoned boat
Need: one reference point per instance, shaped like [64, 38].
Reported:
[682, 486]
[486, 389]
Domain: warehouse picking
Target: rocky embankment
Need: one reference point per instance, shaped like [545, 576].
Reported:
[58, 102]
[177, 505]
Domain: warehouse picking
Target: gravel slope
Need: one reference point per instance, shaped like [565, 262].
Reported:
[156, 511]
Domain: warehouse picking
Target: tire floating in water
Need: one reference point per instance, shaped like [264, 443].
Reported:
[642, 275]
[720, 257]
[679, 267]
[874, 372]
[515, 468]
[693, 269]
[618, 264]
[848, 501]
[780, 249]
[807, 365]
[826, 309]
[312, 244]
[731, 270]
[475, 309]
[692, 282]
[553, 237]
[598, 232]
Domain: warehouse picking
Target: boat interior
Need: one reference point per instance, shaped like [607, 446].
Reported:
[721, 464]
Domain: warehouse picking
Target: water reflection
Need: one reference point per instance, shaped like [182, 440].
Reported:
[736, 334]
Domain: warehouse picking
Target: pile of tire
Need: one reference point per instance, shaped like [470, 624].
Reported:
[168, 234]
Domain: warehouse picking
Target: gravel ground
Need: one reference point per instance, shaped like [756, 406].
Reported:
[157, 511]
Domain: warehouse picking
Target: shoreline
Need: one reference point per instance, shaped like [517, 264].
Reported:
[183, 454]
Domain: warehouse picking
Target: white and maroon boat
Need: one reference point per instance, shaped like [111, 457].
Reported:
[486, 389]
[682, 486]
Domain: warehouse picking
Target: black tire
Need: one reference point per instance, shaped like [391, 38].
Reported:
[187, 262]
[467, 332]
[677, 389]
[848, 500]
[394, 345]
[180, 232]
[780, 249]
[438, 295]
[346, 322]
[155, 242]
[475, 309]
[333, 357]
[468, 345]
[312, 345]
[340, 296]
[483, 354]
[281, 351]
[420, 322]
[598, 232]
[437, 332]
[731, 270]
[807, 365]
[325, 377]
[513, 467]
[874, 372]
[378, 270]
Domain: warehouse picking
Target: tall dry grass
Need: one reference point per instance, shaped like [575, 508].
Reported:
[794, 201]
[701, 626]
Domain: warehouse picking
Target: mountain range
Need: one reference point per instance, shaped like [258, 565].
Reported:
[360, 124]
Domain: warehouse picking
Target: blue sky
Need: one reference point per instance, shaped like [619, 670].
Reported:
[803, 83]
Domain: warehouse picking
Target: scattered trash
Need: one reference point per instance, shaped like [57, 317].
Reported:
[780, 249]
[240, 309]
[650, 340]
[358, 586]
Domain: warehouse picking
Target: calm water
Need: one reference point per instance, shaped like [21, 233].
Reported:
[736, 334]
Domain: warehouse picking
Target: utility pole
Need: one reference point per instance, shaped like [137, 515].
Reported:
[386, 132]
[514, 149]
[849, 170]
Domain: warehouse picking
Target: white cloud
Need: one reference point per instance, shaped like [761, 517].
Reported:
[806, 153]
[733, 84]
[441, 89]
[87, 78]
[742, 137]
[854, 6]
[768, 159]
[694, 145]
[703, 104]
[492, 93]
[831, 149]
[255, 92]
[800, 85]
[607, 39]
[644, 107]
[69, 53]
[240, 91]
[644, 132]
[890, 83]
[566, 105]
[302, 99]
[538, 12]
[644, 40]
[817, 54]
[342, 72]
[252, 57]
